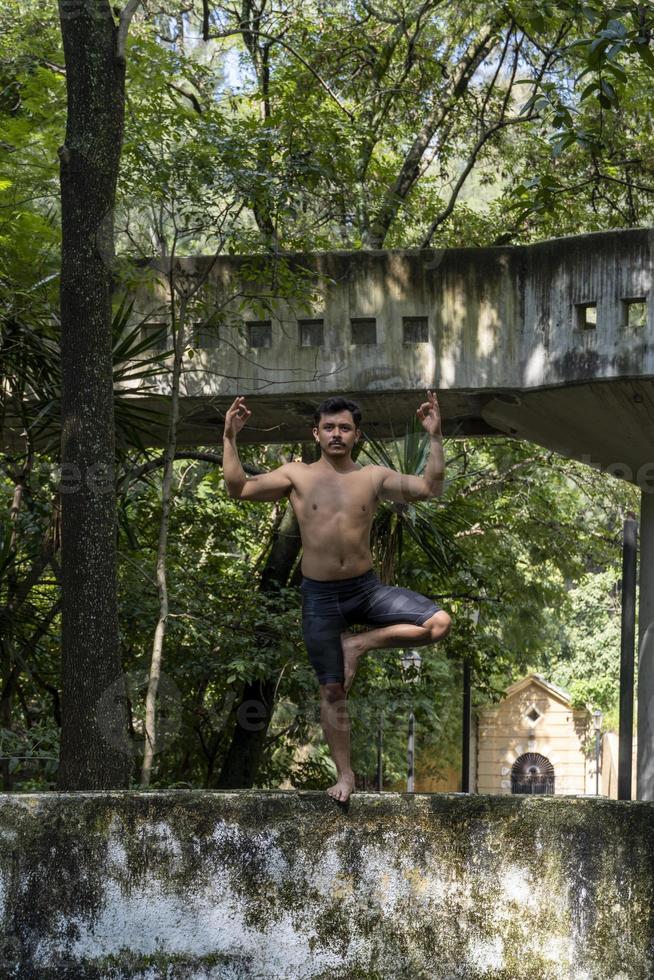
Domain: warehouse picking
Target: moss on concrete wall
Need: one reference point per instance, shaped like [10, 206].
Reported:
[236, 885]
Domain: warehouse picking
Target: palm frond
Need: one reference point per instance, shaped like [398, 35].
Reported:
[29, 375]
[432, 526]
[30, 392]
[134, 360]
[378, 452]
[415, 448]
[434, 539]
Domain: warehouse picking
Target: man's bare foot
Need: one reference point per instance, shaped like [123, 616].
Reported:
[342, 789]
[353, 646]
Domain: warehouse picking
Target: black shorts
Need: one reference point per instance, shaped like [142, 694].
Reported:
[329, 608]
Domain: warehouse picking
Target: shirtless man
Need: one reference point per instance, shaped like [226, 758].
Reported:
[334, 500]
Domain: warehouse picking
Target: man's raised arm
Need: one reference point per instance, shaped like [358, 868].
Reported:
[429, 414]
[404, 488]
[265, 486]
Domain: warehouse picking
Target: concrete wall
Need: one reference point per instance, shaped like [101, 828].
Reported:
[288, 885]
[504, 341]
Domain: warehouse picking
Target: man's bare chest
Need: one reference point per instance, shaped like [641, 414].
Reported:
[353, 495]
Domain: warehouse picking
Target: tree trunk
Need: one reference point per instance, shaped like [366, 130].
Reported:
[150, 740]
[94, 748]
[9, 672]
[239, 770]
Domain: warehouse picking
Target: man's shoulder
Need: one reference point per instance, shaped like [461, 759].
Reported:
[298, 466]
[295, 468]
[377, 468]
[372, 472]
[316, 469]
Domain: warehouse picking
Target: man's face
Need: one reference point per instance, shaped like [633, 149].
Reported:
[336, 434]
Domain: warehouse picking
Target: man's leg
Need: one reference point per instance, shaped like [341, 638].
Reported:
[399, 635]
[336, 726]
[323, 625]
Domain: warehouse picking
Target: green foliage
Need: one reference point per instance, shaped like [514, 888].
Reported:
[33, 752]
[589, 660]
[302, 137]
[540, 525]
[431, 527]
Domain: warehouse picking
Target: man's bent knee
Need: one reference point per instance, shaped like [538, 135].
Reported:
[439, 625]
[332, 692]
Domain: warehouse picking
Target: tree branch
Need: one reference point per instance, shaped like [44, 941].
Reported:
[193, 99]
[125, 20]
[502, 123]
[154, 464]
[205, 20]
[278, 40]
[410, 169]
[382, 98]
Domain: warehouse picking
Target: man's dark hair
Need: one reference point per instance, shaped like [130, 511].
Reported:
[338, 404]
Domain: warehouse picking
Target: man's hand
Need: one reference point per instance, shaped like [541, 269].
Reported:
[430, 415]
[235, 417]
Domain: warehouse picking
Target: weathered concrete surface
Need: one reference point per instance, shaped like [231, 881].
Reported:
[503, 342]
[288, 885]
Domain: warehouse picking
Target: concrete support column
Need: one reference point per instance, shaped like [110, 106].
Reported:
[645, 785]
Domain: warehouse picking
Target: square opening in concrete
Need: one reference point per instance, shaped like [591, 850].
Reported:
[634, 312]
[259, 333]
[156, 334]
[364, 330]
[312, 333]
[586, 315]
[205, 335]
[415, 329]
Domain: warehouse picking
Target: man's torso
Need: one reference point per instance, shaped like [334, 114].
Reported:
[335, 512]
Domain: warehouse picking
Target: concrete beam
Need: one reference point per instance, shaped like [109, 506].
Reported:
[552, 342]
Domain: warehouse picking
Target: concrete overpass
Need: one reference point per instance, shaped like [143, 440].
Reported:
[552, 342]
